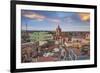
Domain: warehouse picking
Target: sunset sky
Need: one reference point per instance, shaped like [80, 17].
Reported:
[49, 20]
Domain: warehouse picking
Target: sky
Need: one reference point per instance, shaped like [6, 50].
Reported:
[49, 20]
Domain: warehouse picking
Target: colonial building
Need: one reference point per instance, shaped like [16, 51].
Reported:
[87, 36]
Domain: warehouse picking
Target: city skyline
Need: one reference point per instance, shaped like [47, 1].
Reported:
[49, 20]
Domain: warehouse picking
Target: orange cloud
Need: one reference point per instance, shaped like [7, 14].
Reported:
[84, 16]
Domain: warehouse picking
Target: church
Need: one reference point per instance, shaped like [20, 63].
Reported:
[59, 36]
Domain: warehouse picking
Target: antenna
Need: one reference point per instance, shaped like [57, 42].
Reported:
[26, 29]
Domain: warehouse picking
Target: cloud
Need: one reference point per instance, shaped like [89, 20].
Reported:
[39, 17]
[84, 16]
[54, 20]
[33, 15]
[68, 19]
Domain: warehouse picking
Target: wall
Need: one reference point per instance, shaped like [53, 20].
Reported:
[5, 37]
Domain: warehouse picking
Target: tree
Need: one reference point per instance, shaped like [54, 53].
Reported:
[40, 36]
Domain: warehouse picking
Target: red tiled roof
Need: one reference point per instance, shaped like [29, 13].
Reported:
[44, 59]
